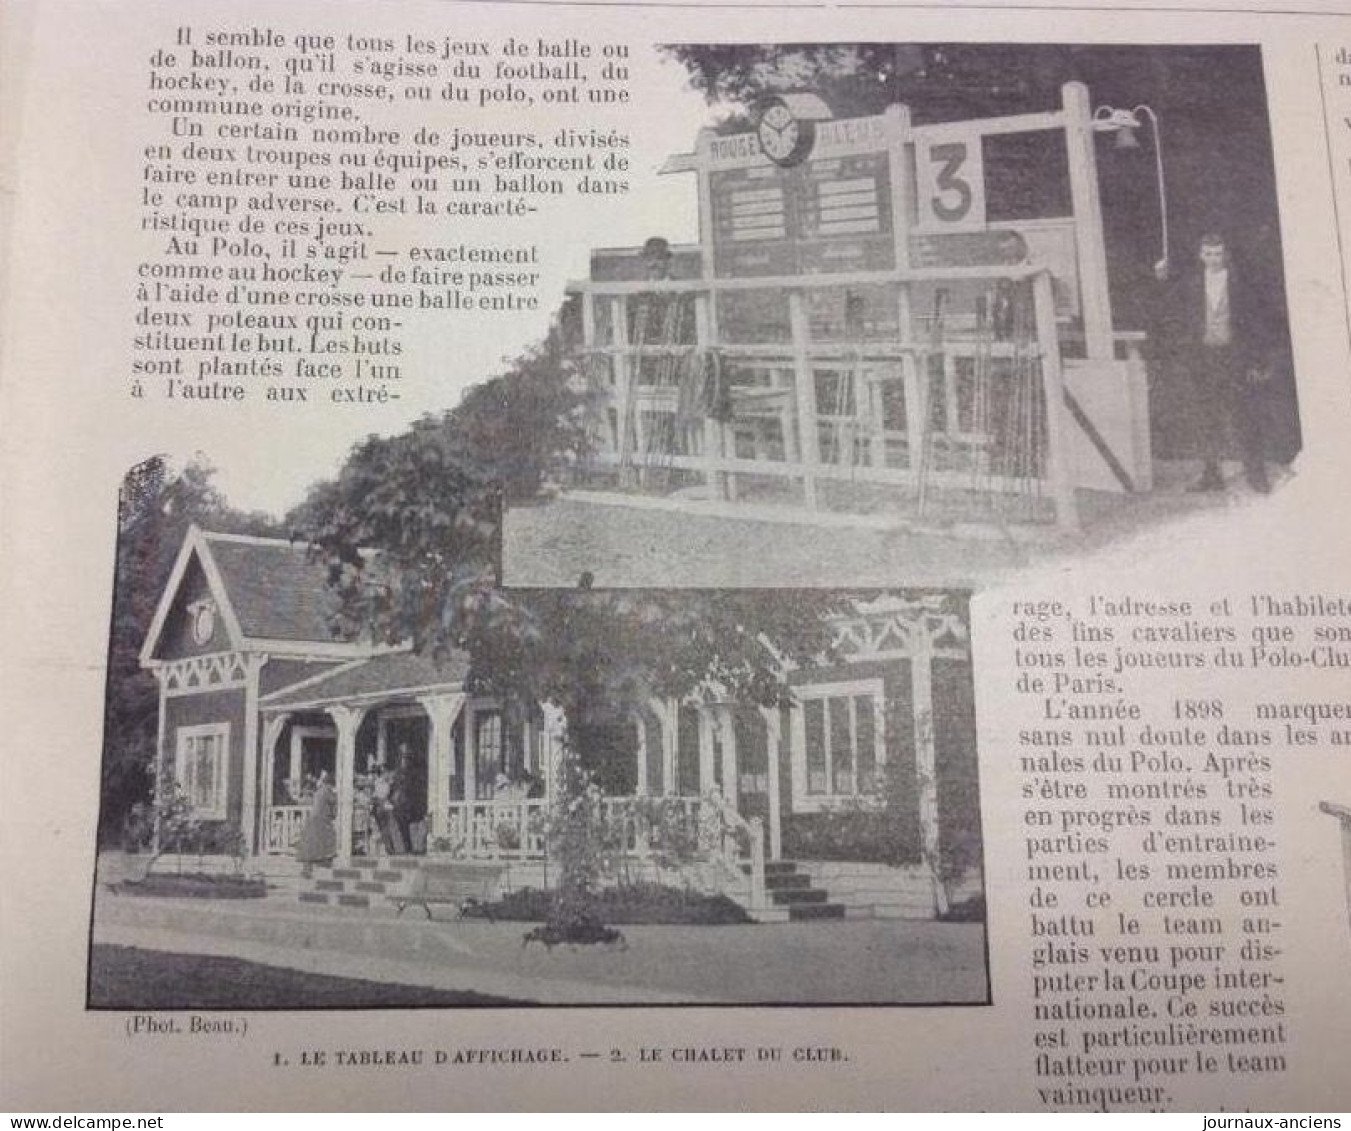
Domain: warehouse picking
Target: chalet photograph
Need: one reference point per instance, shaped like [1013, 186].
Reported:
[668, 796]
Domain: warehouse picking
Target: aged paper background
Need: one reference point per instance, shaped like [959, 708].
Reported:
[69, 433]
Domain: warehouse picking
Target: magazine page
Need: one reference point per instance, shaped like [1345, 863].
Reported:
[569, 556]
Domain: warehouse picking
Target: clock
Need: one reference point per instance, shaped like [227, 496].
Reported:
[784, 139]
[203, 614]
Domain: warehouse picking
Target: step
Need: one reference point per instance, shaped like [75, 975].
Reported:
[773, 868]
[800, 911]
[778, 881]
[799, 895]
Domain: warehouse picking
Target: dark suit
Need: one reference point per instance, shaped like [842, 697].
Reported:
[1224, 373]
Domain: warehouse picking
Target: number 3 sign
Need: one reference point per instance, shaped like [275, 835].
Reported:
[950, 180]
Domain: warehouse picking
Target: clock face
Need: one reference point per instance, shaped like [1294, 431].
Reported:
[203, 621]
[783, 139]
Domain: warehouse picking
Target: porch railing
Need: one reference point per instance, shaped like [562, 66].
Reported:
[283, 826]
[496, 830]
[737, 847]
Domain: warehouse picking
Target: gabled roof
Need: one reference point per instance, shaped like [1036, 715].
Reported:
[376, 678]
[272, 595]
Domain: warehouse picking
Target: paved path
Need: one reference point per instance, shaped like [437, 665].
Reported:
[852, 961]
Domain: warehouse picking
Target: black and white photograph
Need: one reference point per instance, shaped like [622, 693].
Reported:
[948, 310]
[350, 770]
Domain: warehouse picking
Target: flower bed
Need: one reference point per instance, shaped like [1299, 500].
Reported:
[197, 885]
[628, 904]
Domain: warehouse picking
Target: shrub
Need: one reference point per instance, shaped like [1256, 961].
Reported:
[630, 904]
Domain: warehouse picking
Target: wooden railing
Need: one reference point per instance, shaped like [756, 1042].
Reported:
[738, 847]
[496, 830]
[282, 828]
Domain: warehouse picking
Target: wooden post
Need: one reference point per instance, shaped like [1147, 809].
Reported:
[554, 731]
[271, 735]
[347, 720]
[1088, 236]
[248, 814]
[442, 711]
[470, 757]
[624, 374]
[720, 484]
[640, 724]
[926, 763]
[726, 721]
[669, 714]
[1059, 472]
[901, 175]
[773, 740]
[706, 771]
[804, 382]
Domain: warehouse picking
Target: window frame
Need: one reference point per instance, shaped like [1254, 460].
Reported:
[183, 736]
[805, 801]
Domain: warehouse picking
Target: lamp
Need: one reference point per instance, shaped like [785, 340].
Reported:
[1124, 123]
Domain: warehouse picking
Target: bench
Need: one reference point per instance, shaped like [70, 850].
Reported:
[470, 887]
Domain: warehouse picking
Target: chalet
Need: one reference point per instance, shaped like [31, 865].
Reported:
[866, 783]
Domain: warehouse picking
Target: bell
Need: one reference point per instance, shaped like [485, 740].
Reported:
[1126, 139]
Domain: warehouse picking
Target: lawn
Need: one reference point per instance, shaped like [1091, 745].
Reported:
[122, 977]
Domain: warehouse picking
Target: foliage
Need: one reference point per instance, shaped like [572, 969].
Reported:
[199, 885]
[629, 904]
[585, 855]
[156, 506]
[881, 828]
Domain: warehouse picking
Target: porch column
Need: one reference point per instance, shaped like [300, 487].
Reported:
[273, 725]
[705, 747]
[346, 720]
[667, 712]
[552, 736]
[641, 723]
[926, 764]
[248, 814]
[470, 754]
[442, 711]
[727, 726]
[773, 737]
[161, 771]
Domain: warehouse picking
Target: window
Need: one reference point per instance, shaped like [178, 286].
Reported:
[199, 768]
[838, 743]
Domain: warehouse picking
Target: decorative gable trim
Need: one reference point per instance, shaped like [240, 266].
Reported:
[194, 544]
[218, 671]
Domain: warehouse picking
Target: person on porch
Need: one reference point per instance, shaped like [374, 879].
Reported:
[318, 841]
[391, 839]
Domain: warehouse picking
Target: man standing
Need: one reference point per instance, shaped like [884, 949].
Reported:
[1219, 328]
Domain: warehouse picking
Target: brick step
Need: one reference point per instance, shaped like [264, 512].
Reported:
[336, 899]
[774, 868]
[800, 911]
[799, 895]
[778, 881]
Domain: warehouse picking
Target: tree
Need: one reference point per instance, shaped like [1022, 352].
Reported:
[409, 533]
[156, 506]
